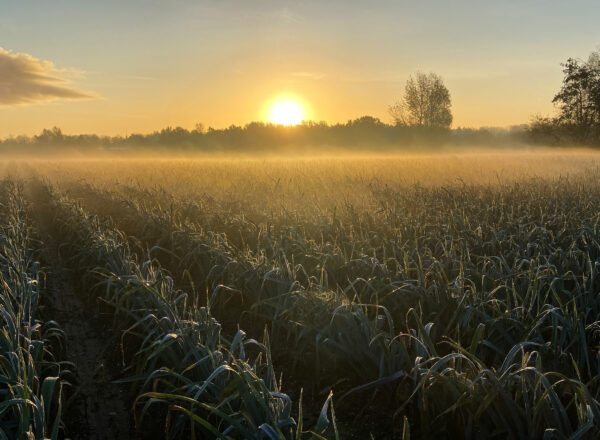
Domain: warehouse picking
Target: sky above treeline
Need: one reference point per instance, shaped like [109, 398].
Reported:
[117, 67]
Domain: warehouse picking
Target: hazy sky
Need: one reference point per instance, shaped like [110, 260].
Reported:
[113, 67]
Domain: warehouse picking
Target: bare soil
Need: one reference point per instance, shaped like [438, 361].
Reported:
[98, 409]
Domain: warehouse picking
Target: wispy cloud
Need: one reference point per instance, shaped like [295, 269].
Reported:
[25, 79]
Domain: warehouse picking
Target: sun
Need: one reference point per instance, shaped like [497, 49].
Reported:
[286, 112]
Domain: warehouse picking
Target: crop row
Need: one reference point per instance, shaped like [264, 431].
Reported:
[31, 378]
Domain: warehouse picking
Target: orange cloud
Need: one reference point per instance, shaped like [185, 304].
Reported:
[25, 79]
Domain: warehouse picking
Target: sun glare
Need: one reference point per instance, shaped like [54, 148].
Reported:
[286, 112]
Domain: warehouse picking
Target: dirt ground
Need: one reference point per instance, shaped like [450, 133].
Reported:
[98, 409]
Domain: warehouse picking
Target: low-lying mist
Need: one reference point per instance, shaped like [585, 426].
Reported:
[299, 182]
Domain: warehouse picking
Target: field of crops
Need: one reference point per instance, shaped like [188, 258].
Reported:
[441, 296]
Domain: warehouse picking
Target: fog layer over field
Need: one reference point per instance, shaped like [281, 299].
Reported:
[298, 181]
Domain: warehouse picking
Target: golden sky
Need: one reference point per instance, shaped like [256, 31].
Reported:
[121, 67]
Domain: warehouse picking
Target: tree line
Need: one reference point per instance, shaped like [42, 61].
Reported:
[363, 134]
[421, 118]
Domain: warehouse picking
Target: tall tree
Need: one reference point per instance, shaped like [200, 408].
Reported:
[579, 98]
[426, 102]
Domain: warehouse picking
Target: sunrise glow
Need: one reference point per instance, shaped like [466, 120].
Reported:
[286, 112]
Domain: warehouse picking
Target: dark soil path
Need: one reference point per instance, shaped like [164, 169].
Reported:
[99, 408]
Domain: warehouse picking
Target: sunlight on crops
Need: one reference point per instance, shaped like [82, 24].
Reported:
[393, 286]
[408, 169]
[314, 183]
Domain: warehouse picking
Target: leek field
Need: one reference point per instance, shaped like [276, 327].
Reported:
[393, 297]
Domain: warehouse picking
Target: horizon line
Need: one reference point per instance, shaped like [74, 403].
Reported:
[264, 123]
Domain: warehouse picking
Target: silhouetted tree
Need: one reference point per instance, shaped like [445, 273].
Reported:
[199, 128]
[545, 130]
[579, 99]
[426, 102]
